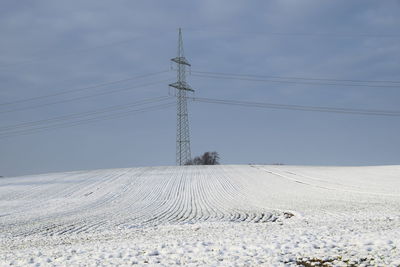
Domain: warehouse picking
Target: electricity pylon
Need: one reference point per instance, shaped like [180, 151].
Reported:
[182, 129]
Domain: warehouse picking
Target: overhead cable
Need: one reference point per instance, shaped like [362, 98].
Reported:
[87, 121]
[82, 88]
[301, 34]
[295, 78]
[85, 114]
[293, 82]
[299, 107]
[85, 97]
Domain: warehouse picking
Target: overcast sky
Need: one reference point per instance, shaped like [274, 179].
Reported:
[51, 47]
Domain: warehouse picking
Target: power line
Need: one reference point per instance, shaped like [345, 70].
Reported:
[63, 53]
[301, 34]
[212, 101]
[84, 97]
[85, 114]
[82, 88]
[87, 121]
[292, 82]
[299, 107]
[295, 78]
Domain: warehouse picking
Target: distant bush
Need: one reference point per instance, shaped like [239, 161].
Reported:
[208, 158]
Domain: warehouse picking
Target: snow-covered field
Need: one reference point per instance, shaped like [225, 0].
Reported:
[224, 215]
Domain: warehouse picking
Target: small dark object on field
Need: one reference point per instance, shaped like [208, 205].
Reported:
[288, 214]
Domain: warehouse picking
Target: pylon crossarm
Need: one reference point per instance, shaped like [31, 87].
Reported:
[181, 60]
[181, 86]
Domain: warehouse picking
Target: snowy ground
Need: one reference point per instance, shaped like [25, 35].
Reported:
[203, 215]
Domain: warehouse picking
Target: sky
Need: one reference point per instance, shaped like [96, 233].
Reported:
[57, 54]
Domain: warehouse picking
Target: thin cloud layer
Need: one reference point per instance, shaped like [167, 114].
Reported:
[53, 46]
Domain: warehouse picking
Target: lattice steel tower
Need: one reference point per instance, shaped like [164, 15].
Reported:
[182, 88]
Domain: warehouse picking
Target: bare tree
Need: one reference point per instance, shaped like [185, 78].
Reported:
[208, 158]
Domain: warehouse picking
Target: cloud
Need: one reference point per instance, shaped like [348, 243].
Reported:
[50, 46]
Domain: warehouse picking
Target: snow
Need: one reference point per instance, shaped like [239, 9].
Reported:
[225, 215]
